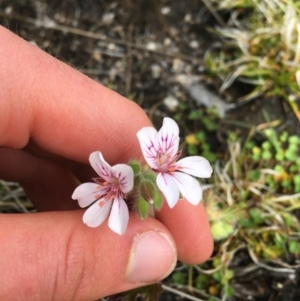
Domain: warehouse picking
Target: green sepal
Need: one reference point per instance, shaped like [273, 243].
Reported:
[150, 176]
[158, 200]
[143, 207]
[136, 166]
[147, 190]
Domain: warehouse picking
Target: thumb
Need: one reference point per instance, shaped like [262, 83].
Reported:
[54, 256]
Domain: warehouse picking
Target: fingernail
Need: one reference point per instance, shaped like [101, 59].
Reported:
[153, 257]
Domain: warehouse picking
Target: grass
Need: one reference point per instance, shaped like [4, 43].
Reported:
[259, 46]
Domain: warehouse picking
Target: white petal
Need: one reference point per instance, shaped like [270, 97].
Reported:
[168, 137]
[167, 186]
[96, 214]
[119, 216]
[189, 187]
[87, 193]
[124, 174]
[102, 168]
[147, 139]
[196, 166]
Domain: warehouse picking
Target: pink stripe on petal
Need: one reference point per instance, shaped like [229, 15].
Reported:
[149, 147]
[125, 176]
[168, 137]
[87, 194]
[102, 168]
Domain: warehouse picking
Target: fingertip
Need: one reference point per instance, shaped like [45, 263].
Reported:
[190, 229]
[88, 263]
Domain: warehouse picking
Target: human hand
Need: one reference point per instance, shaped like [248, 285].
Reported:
[52, 117]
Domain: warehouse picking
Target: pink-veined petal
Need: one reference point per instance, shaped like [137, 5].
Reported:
[167, 186]
[149, 147]
[88, 193]
[196, 166]
[125, 176]
[168, 137]
[97, 213]
[102, 168]
[189, 187]
[119, 216]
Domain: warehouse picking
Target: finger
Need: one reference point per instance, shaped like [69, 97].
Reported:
[62, 110]
[46, 183]
[50, 256]
[190, 229]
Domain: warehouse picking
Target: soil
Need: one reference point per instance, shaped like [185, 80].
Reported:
[139, 48]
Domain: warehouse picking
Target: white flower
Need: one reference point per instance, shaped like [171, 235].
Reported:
[107, 194]
[160, 150]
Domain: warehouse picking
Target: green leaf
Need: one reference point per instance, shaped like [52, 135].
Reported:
[294, 247]
[255, 216]
[195, 114]
[135, 165]
[143, 207]
[221, 230]
[178, 278]
[192, 149]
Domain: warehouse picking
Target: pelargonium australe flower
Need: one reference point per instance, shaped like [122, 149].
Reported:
[107, 194]
[160, 150]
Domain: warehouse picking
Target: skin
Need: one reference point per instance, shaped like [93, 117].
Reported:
[52, 117]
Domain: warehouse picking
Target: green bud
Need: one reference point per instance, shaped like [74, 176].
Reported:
[147, 190]
[293, 148]
[256, 150]
[279, 156]
[290, 155]
[136, 166]
[267, 155]
[249, 145]
[294, 139]
[283, 137]
[143, 207]
[297, 179]
[266, 145]
[279, 168]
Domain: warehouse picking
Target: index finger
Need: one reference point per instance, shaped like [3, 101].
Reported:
[62, 110]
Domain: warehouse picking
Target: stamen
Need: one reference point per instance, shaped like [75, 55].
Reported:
[105, 183]
[99, 187]
[97, 196]
[101, 204]
[112, 197]
[172, 168]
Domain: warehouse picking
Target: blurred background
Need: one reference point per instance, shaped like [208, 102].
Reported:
[228, 72]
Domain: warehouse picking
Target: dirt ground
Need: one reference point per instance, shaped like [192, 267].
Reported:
[140, 49]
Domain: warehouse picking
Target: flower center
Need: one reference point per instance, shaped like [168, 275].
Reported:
[165, 162]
